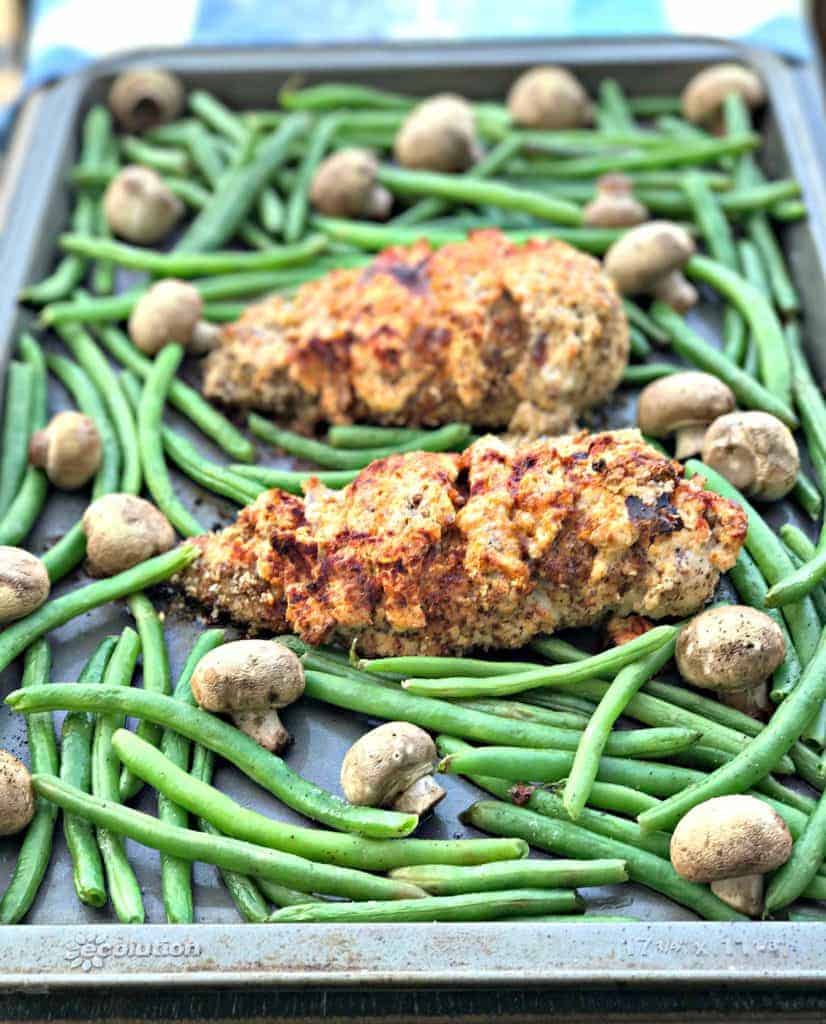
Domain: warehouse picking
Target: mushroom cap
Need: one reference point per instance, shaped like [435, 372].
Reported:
[248, 675]
[385, 762]
[646, 254]
[142, 98]
[682, 400]
[69, 449]
[727, 837]
[548, 97]
[139, 205]
[438, 135]
[24, 583]
[16, 795]
[344, 185]
[168, 311]
[733, 647]
[755, 451]
[614, 205]
[703, 97]
[123, 530]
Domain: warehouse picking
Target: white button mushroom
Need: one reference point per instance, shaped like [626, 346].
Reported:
[702, 98]
[683, 404]
[251, 680]
[68, 448]
[24, 583]
[549, 98]
[142, 98]
[139, 206]
[345, 186]
[123, 530]
[755, 451]
[171, 311]
[614, 205]
[731, 838]
[16, 795]
[438, 135]
[732, 649]
[648, 259]
[392, 766]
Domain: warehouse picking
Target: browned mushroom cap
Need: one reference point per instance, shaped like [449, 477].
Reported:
[438, 135]
[614, 205]
[24, 583]
[732, 647]
[683, 404]
[345, 186]
[68, 448]
[169, 311]
[123, 530]
[548, 97]
[729, 837]
[755, 451]
[391, 766]
[703, 97]
[647, 260]
[143, 98]
[139, 205]
[16, 795]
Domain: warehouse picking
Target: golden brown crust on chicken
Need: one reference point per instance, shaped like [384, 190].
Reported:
[441, 553]
[424, 336]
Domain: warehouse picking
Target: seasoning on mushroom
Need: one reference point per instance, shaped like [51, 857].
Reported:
[702, 98]
[683, 404]
[734, 839]
[732, 649]
[438, 135]
[123, 530]
[648, 260]
[139, 206]
[16, 795]
[68, 448]
[614, 205]
[392, 766]
[171, 311]
[345, 186]
[251, 680]
[548, 97]
[755, 451]
[24, 583]
[143, 98]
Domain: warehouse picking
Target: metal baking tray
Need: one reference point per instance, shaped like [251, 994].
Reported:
[67, 944]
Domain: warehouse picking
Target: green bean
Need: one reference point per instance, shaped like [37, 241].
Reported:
[640, 375]
[760, 755]
[265, 768]
[239, 190]
[229, 854]
[103, 272]
[511, 903]
[186, 265]
[606, 796]
[448, 437]
[292, 480]
[807, 496]
[799, 583]
[22, 513]
[204, 153]
[696, 350]
[281, 896]
[479, 191]
[150, 427]
[789, 210]
[785, 295]
[818, 594]
[196, 795]
[76, 770]
[124, 890]
[223, 312]
[271, 211]
[220, 118]
[431, 667]
[100, 309]
[394, 704]
[651, 106]
[527, 713]
[565, 838]
[639, 344]
[358, 436]
[332, 95]
[639, 318]
[163, 159]
[613, 105]
[184, 398]
[792, 878]
[586, 762]
[711, 220]
[554, 675]
[678, 127]
[317, 145]
[15, 438]
[191, 193]
[36, 848]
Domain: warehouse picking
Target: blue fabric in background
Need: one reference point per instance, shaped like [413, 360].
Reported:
[67, 34]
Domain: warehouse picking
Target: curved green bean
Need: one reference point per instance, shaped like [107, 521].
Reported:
[292, 480]
[443, 880]
[644, 374]
[793, 878]
[332, 95]
[164, 159]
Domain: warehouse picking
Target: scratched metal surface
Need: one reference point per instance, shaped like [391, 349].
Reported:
[67, 944]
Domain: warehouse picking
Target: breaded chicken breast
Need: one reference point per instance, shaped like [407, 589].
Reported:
[422, 337]
[443, 553]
